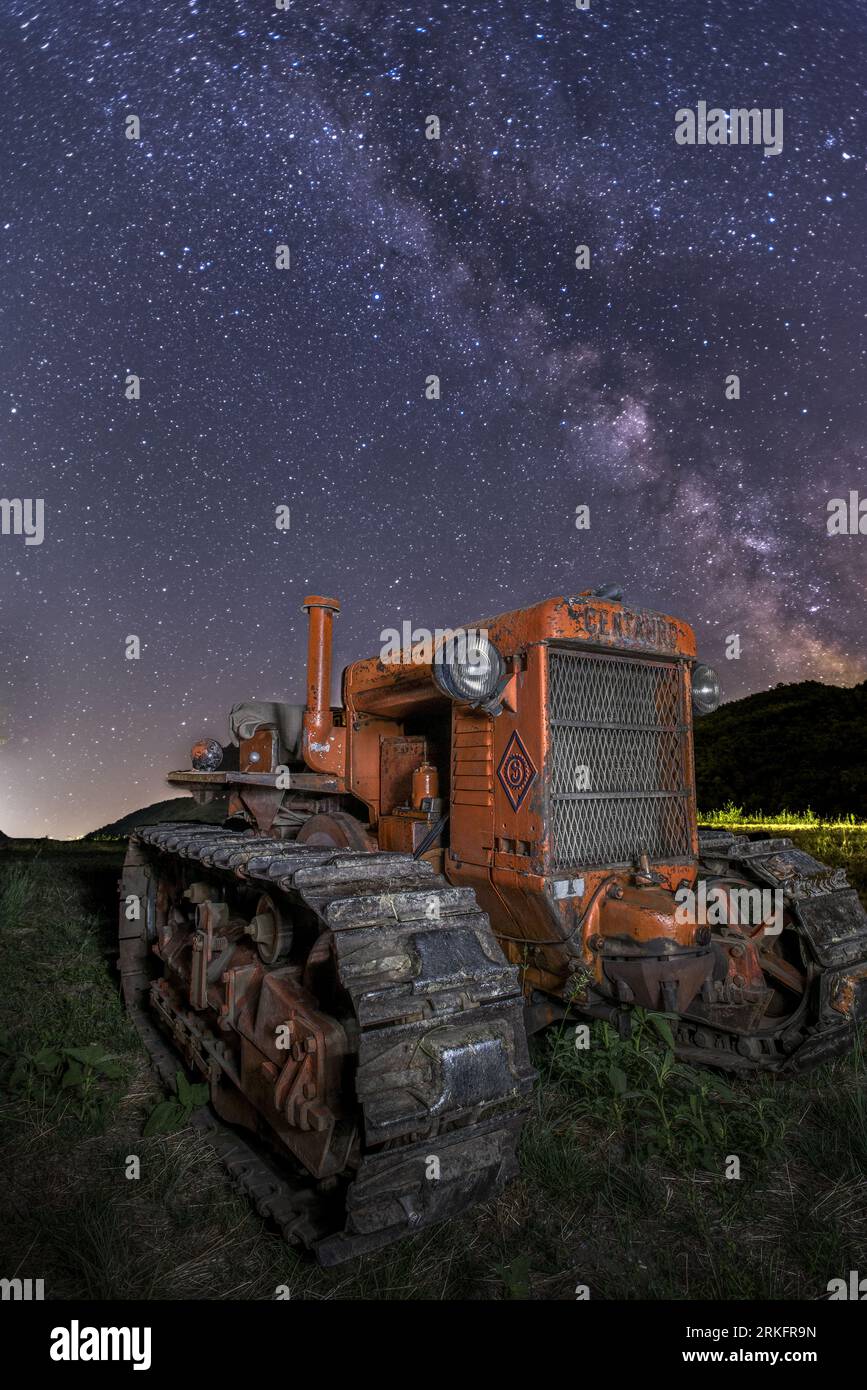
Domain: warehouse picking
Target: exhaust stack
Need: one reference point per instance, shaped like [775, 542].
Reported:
[318, 720]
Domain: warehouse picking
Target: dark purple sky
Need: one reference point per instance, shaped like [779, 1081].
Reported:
[411, 257]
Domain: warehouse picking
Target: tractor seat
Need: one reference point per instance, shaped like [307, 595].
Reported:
[246, 718]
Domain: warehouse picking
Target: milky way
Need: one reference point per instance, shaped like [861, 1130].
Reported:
[411, 257]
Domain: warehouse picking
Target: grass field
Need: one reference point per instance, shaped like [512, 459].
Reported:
[842, 844]
[622, 1185]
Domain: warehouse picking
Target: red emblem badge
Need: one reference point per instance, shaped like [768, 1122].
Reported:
[516, 771]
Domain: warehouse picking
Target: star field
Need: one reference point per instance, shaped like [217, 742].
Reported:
[410, 257]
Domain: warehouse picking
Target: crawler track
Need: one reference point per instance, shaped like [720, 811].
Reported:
[440, 1067]
[826, 916]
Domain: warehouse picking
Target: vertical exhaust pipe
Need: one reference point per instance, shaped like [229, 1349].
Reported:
[318, 720]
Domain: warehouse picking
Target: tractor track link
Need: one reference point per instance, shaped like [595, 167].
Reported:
[441, 1063]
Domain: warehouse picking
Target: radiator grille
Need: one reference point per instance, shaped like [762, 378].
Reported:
[621, 719]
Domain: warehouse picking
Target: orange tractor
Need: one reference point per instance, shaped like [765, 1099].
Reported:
[495, 830]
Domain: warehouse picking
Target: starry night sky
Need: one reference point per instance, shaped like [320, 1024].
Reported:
[411, 257]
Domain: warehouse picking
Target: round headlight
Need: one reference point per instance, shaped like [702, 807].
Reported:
[206, 755]
[468, 667]
[706, 689]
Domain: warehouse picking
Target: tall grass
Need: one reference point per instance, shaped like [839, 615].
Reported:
[733, 817]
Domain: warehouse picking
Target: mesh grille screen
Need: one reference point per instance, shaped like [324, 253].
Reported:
[617, 760]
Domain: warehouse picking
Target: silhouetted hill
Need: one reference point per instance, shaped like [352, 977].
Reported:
[793, 748]
[177, 808]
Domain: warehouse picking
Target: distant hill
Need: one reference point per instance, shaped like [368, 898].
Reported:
[792, 748]
[177, 808]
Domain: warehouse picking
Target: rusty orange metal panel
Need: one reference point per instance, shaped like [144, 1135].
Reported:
[472, 800]
[260, 753]
[399, 757]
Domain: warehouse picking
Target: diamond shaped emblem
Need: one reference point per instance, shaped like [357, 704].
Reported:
[516, 771]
